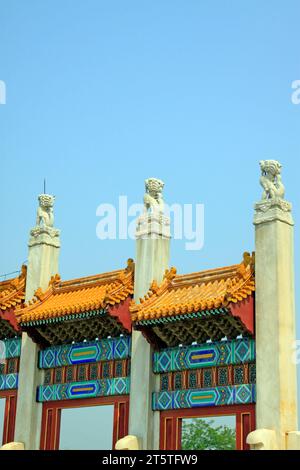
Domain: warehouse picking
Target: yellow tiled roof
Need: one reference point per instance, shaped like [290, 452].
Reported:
[78, 295]
[12, 291]
[196, 292]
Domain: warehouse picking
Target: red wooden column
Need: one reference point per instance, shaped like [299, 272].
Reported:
[245, 423]
[170, 432]
[10, 415]
[51, 418]
[171, 423]
[121, 420]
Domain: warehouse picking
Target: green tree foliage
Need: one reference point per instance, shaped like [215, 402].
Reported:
[200, 434]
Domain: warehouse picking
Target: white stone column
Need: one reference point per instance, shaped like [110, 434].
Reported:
[44, 246]
[276, 408]
[152, 260]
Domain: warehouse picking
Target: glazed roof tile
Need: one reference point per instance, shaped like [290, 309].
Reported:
[196, 292]
[12, 291]
[78, 295]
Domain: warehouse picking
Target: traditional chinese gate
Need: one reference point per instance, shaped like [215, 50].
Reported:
[171, 424]
[51, 420]
[9, 385]
[10, 397]
[12, 294]
[83, 330]
[212, 379]
[84, 375]
[202, 327]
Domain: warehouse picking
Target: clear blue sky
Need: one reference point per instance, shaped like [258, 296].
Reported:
[102, 94]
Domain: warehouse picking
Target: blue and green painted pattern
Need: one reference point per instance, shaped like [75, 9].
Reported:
[218, 396]
[90, 389]
[82, 353]
[205, 355]
[186, 316]
[9, 382]
[10, 348]
[64, 318]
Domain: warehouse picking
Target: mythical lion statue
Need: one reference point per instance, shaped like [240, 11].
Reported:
[153, 199]
[45, 214]
[271, 179]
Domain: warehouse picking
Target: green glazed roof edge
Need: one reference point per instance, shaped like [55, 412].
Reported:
[186, 316]
[73, 316]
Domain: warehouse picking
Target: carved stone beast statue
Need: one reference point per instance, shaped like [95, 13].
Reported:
[45, 214]
[153, 199]
[271, 179]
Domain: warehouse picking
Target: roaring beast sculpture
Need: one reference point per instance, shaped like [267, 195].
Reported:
[45, 214]
[153, 199]
[271, 179]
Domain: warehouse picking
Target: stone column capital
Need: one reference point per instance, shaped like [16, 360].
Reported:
[44, 236]
[271, 210]
[153, 226]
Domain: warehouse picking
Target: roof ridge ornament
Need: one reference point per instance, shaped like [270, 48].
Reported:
[40, 295]
[54, 281]
[170, 274]
[248, 264]
[155, 289]
[130, 268]
[14, 292]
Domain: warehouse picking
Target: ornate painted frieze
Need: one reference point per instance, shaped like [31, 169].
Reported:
[10, 348]
[209, 377]
[82, 353]
[86, 389]
[217, 396]
[85, 372]
[8, 382]
[205, 355]
[10, 366]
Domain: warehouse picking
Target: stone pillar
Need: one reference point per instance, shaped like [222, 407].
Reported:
[152, 260]
[276, 408]
[44, 246]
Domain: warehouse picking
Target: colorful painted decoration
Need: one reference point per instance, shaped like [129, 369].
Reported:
[10, 348]
[8, 382]
[218, 396]
[81, 353]
[205, 355]
[90, 389]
